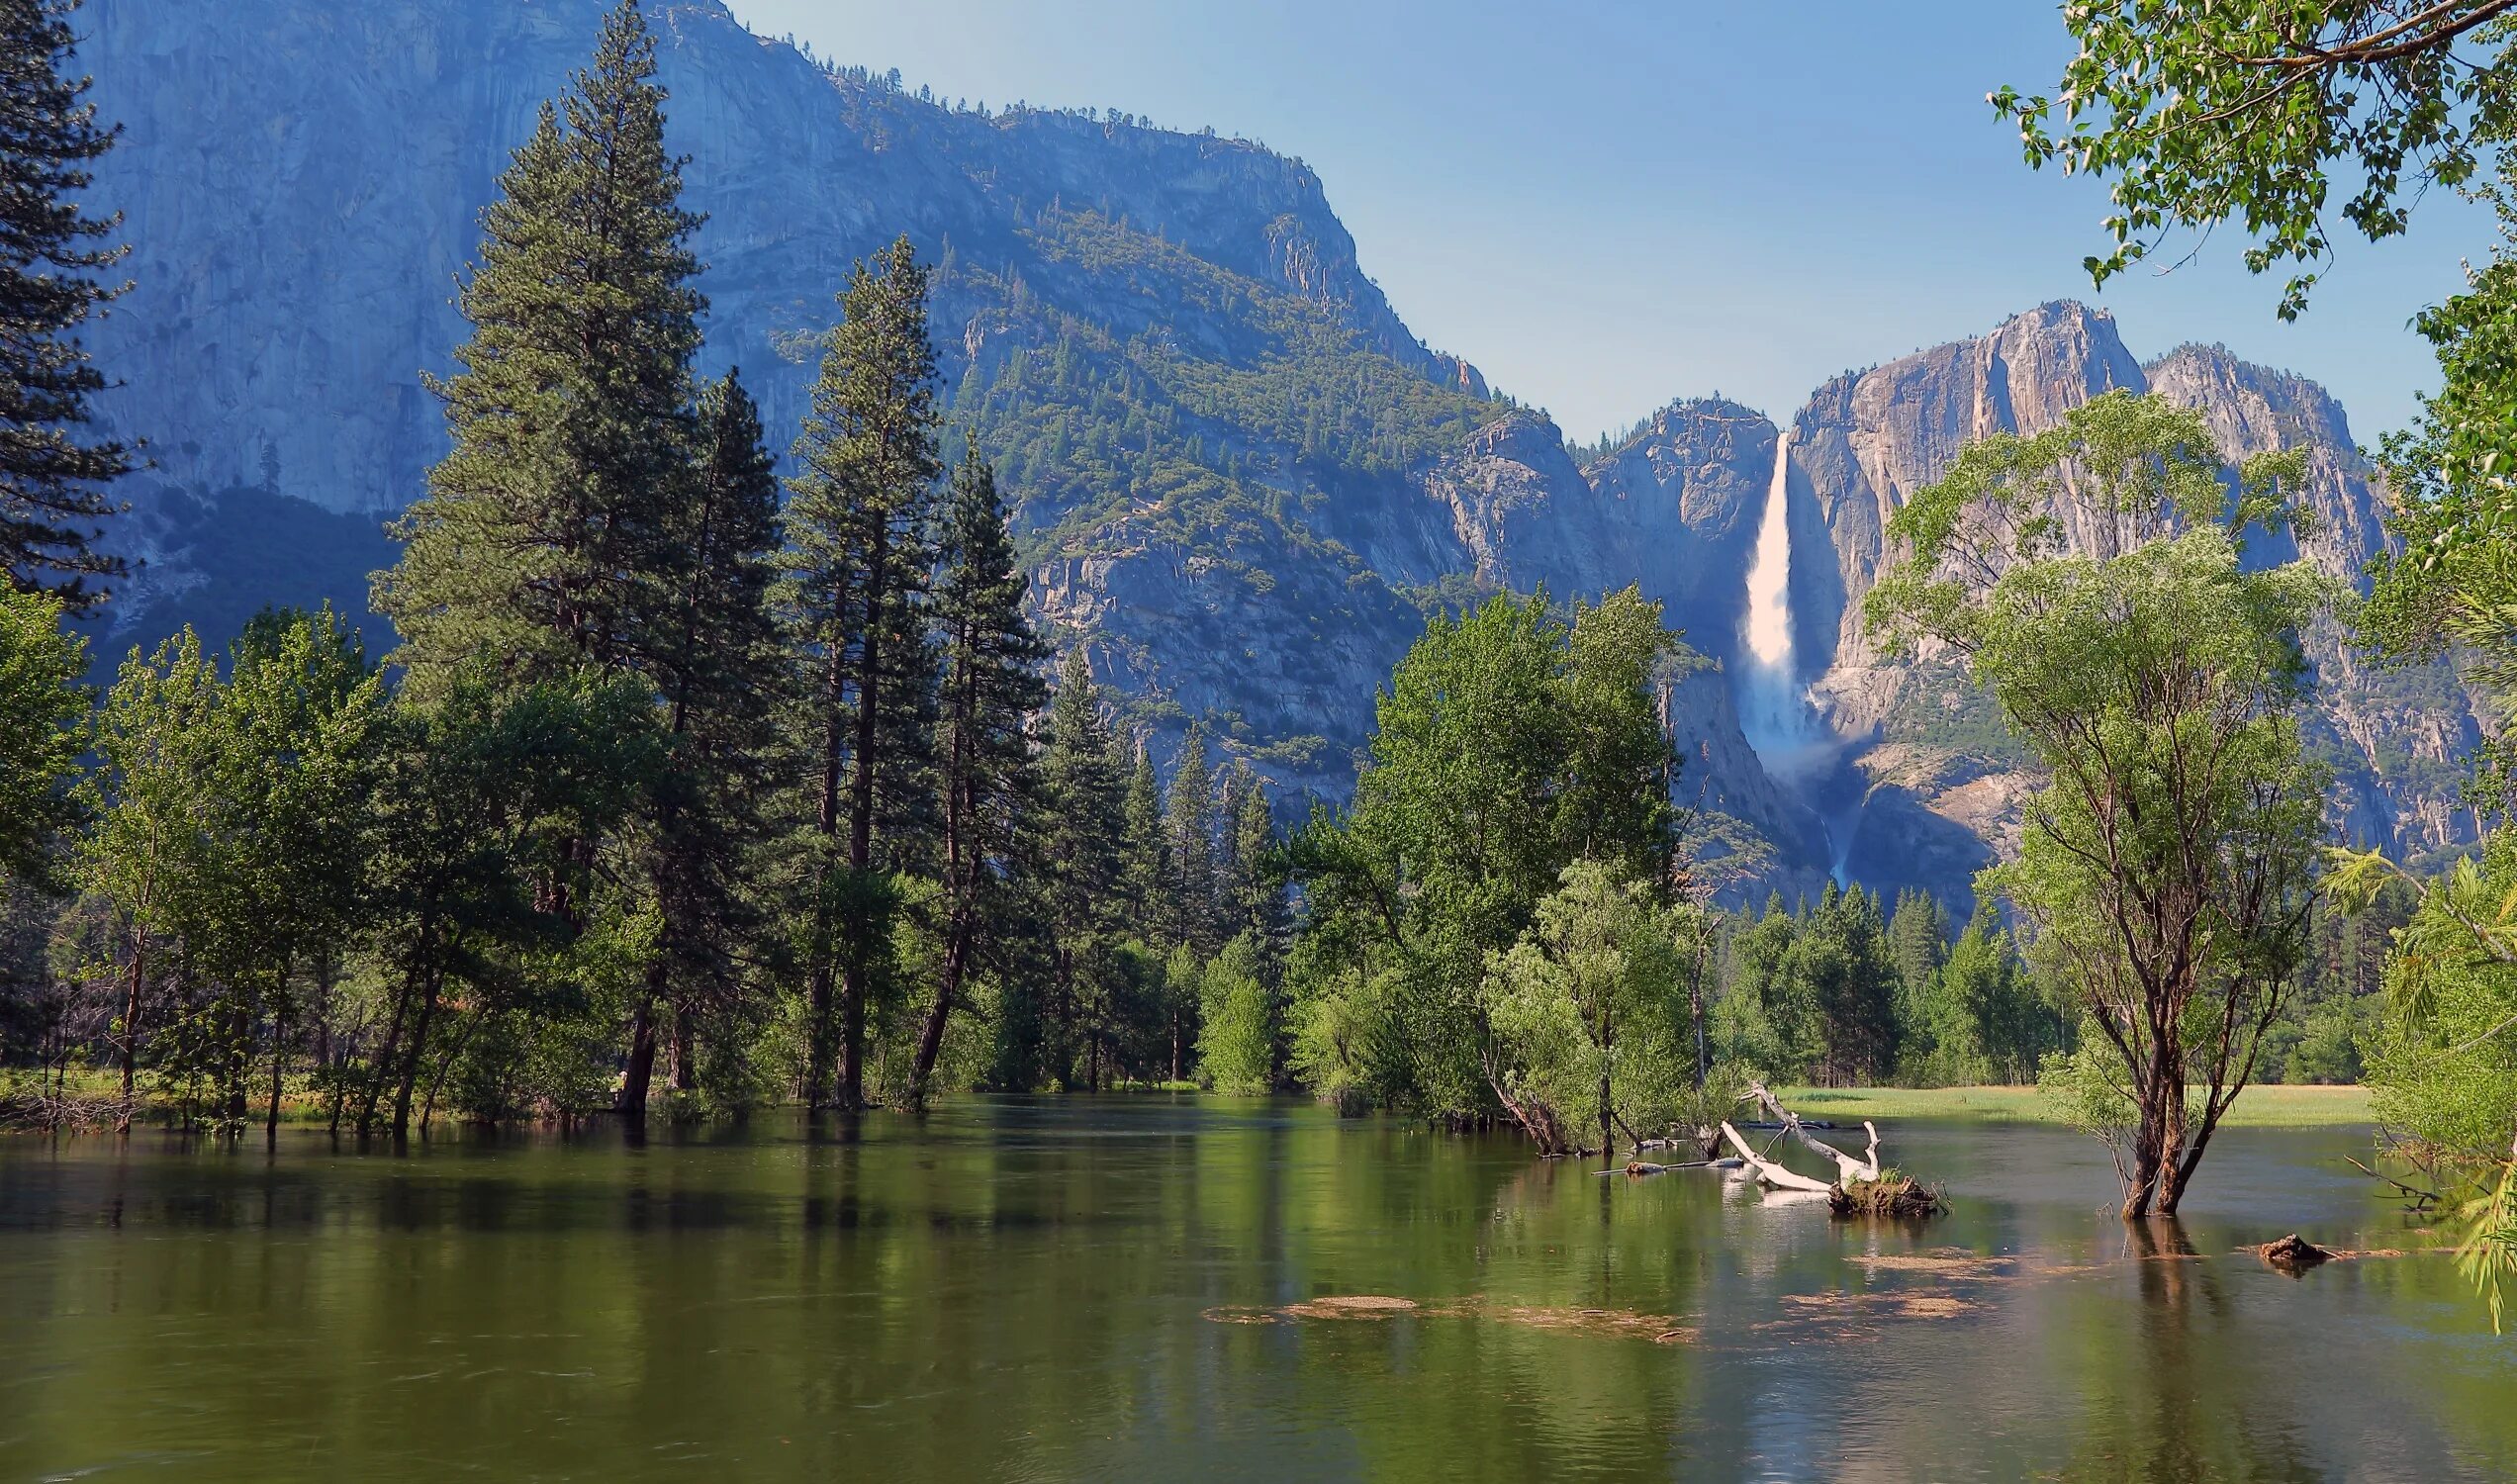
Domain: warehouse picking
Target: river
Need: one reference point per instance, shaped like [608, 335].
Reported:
[1203, 1290]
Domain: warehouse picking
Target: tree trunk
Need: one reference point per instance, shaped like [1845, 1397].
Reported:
[409, 1078]
[860, 800]
[1608, 1106]
[131, 1026]
[852, 1030]
[279, 1044]
[640, 1074]
[931, 1035]
[686, 1058]
[820, 976]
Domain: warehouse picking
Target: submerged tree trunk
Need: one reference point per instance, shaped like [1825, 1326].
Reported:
[279, 1047]
[639, 1076]
[853, 985]
[685, 1056]
[131, 1026]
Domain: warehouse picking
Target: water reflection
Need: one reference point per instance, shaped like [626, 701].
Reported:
[1108, 1288]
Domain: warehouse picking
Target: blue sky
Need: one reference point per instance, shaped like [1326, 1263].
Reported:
[1618, 203]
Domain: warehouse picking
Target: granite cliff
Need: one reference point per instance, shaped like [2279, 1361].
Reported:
[1241, 480]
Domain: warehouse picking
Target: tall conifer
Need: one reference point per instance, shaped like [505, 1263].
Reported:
[544, 528]
[52, 482]
[991, 686]
[1147, 849]
[713, 653]
[860, 550]
[1188, 834]
[1078, 853]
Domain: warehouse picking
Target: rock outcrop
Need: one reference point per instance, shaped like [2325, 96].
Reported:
[1241, 481]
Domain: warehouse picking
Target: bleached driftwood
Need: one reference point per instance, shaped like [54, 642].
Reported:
[1770, 1172]
[1849, 1168]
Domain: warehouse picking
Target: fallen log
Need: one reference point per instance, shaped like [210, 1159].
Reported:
[1849, 1168]
[1648, 1168]
[1770, 1172]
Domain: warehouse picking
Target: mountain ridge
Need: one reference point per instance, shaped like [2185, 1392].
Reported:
[1241, 481]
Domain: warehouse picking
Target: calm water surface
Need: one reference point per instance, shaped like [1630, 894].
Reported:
[1147, 1288]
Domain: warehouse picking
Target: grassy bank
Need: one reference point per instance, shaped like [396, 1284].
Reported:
[2257, 1107]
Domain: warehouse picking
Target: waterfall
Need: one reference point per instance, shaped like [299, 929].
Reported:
[1773, 711]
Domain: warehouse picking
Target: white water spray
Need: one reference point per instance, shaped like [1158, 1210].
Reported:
[1773, 712]
[1768, 629]
[1774, 709]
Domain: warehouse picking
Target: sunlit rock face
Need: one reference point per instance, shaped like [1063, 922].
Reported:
[1916, 735]
[1242, 483]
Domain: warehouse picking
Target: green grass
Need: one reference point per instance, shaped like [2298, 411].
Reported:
[2268, 1107]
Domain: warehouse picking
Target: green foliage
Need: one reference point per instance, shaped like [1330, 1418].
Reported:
[40, 709]
[1820, 992]
[2443, 1060]
[2452, 581]
[1240, 1021]
[2166, 871]
[2196, 115]
[1509, 744]
[485, 794]
[1588, 1015]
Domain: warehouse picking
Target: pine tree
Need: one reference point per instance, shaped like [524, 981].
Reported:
[545, 526]
[50, 251]
[1256, 887]
[858, 555]
[1918, 936]
[1078, 853]
[1146, 873]
[712, 650]
[991, 686]
[1189, 835]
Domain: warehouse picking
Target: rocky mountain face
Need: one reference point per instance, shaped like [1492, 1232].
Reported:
[1241, 480]
[1942, 786]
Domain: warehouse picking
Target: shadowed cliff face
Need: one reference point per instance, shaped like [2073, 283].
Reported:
[1240, 482]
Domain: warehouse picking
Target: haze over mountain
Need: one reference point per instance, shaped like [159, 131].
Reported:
[1242, 481]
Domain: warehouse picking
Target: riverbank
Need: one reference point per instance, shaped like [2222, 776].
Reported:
[2262, 1106]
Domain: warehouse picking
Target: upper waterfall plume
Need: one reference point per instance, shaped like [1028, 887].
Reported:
[1773, 712]
[1768, 626]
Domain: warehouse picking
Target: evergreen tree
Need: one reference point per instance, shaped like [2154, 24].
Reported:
[1146, 876]
[1255, 887]
[860, 549]
[1189, 848]
[1853, 976]
[546, 526]
[1078, 856]
[712, 650]
[1917, 938]
[50, 251]
[991, 686]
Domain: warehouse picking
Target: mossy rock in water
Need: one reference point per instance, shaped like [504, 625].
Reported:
[1891, 1194]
